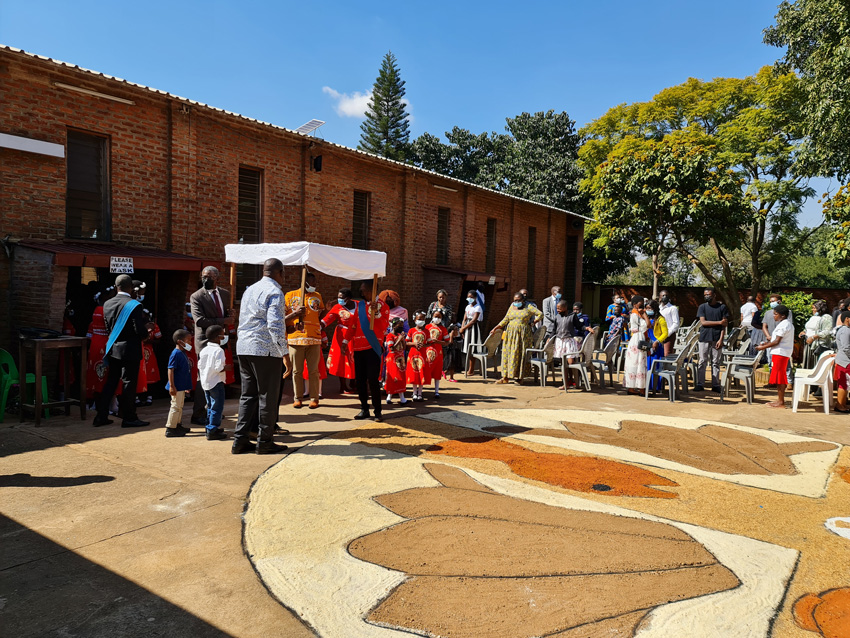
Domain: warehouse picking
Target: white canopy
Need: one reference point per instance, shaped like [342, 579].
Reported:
[346, 263]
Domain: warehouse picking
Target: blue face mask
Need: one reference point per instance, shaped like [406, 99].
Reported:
[469, 300]
[650, 312]
[518, 304]
[558, 297]
[773, 304]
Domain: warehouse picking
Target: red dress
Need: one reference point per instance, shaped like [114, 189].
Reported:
[339, 365]
[151, 365]
[395, 382]
[96, 370]
[418, 370]
[434, 351]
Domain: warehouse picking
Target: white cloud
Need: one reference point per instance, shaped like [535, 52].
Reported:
[353, 105]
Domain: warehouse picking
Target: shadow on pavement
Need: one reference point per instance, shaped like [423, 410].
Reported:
[49, 590]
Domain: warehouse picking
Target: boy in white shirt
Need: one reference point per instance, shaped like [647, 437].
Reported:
[211, 369]
[781, 346]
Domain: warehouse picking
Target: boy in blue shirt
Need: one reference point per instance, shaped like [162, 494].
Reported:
[179, 382]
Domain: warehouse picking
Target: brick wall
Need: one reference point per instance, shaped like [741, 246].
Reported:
[174, 185]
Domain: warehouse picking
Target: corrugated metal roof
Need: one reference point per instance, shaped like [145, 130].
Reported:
[97, 255]
[4, 47]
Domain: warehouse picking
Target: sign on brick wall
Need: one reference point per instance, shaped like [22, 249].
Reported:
[120, 265]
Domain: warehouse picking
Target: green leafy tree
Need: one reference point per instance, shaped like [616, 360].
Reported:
[473, 158]
[670, 194]
[836, 211]
[816, 38]
[385, 131]
[753, 125]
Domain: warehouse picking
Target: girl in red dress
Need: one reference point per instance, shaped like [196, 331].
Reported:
[437, 337]
[339, 364]
[150, 363]
[395, 381]
[418, 370]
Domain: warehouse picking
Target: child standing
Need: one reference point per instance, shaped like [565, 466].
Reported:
[418, 370]
[438, 336]
[179, 382]
[842, 360]
[395, 381]
[782, 346]
[211, 369]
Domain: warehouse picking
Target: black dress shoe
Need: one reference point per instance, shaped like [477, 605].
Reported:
[195, 421]
[378, 418]
[136, 423]
[98, 422]
[216, 435]
[362, 415]
[280, 430]
[270, 447]
[175, 432]
[242, 447]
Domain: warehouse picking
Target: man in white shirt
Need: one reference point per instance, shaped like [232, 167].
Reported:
[747, 311]
[781, 347]
[671, 316]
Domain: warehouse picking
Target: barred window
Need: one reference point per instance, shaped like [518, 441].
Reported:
[249, 223]
[443, 236]
[360, 229]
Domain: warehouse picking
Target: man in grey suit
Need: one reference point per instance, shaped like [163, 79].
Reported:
[210, 307]
[124, 357]
[550, 311]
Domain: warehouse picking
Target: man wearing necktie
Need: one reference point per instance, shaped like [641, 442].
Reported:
[210, 307]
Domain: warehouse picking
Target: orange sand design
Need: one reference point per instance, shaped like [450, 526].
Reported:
[581, 473]
[827, 613]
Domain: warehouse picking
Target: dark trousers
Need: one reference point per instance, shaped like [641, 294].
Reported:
[125, 371]
[367, 374]
[261, 377]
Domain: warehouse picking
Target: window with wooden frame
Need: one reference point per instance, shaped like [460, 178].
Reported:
[490, 259]
[531, 265]
[443, 236]
[360, 227]
[249, 223]
[88, 213]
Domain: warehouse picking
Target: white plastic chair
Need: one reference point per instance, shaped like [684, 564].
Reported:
[820, 377]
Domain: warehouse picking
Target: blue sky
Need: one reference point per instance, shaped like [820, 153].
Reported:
[466, 63]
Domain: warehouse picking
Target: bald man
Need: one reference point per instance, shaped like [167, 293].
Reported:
[260, 347]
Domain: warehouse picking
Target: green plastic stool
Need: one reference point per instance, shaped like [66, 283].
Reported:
[9, 376]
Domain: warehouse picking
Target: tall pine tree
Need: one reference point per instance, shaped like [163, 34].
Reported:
[386, 128]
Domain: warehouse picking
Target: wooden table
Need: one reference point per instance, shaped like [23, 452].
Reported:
[38, 346]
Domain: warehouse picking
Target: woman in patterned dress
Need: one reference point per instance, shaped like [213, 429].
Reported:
[396, 379]
[339, 364]
[635, 368]
[418, 370]
[517, 326]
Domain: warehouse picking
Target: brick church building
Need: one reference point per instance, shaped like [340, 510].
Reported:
[95, 167]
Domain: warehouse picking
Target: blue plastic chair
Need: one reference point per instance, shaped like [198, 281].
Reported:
[9, 376]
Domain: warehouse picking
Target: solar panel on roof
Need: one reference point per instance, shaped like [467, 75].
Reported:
[309, 127]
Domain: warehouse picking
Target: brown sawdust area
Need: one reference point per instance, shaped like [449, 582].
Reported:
[791, 521]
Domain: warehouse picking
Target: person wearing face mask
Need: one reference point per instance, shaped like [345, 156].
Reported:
[470, 330]
[395, 381]
[550, 311]
[212, 372]
[634, 376]
[210, 306]
[447, 319]
[126, 325]
[658, 335]
[670, 313]
[818, 333]
[305, 340]
[418, 370]
[517, 338]
[769, 323]
[340, 360]
[437, 339]
[568, 338]
[714, 318]
[179, 382]
[617, 302]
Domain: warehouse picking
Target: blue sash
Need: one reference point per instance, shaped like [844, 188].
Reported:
[123, 316]
[363, 314]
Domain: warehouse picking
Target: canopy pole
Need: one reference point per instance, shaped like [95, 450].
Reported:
[374, 299]
[232, 283]
[303, 282]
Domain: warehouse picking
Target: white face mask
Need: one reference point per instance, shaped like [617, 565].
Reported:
[436, 321]
[187, 347]
[815, 314]
[420, 324]
[773, 304]
[224, 340]
[310, 289]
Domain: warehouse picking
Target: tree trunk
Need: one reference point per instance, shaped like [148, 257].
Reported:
[655, 274]
[730, 291]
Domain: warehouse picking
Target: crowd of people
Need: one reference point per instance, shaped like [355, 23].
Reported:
[380, 351]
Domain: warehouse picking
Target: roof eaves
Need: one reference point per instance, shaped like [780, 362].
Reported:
[287, 130]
